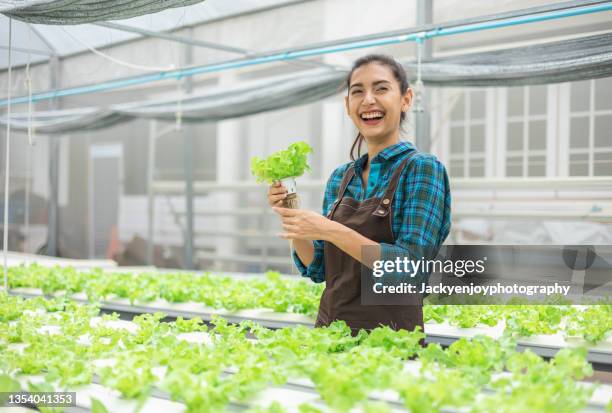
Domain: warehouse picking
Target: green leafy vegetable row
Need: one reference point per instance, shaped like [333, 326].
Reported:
[593, 323]
[273, 292]
[233, 367]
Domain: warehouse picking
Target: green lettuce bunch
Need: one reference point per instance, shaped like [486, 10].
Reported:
[290, 162]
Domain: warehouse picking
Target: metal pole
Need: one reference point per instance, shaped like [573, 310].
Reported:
[54, 143]
[422, 114]
[189, 197]
[188, 151]
[7, 170]
[150, 193]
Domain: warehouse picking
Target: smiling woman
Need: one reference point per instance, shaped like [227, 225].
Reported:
[393, 201]
[375, 69]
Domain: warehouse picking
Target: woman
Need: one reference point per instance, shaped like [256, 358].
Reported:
[392, 200]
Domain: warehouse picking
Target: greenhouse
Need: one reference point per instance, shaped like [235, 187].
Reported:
[306, 206]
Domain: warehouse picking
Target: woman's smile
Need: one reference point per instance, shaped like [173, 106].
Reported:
[372, 117]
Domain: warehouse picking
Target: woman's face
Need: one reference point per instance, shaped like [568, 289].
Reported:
[375, 102]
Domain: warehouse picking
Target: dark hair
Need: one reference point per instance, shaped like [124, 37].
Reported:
[398, 73]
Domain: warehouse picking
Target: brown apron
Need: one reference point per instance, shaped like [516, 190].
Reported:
[341, 299]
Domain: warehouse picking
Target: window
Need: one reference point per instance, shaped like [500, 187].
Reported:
[590, 134]
[526, 131]
[467, 135]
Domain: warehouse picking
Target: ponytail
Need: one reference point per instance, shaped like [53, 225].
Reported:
[356, 143]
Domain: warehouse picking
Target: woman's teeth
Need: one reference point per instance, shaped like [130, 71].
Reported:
[372, 118]
[372, 115]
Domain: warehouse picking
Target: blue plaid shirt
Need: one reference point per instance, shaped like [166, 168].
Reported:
[421, 206]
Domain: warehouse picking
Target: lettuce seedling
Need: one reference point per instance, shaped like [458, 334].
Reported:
[289, 163]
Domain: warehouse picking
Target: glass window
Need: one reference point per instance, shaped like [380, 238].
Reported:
[580, 95]
[457, 139]
[526, 131]
[579, 164]
[456, 168]
[477, 138]
[477, 104]
[459, 108]
[537, 165]
[477, 168]
[515, 136]
[514, 166]
[537, 135]
[467, 143]
[602, 164]
[515, 101]
[603, 131]
[537, 99]
[579, 132]
[603, 93]
[591, 145]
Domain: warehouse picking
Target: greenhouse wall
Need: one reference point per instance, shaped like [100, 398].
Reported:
[476, 132]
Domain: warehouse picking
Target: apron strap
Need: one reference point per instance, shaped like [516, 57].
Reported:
[384, 206]
[348, 175]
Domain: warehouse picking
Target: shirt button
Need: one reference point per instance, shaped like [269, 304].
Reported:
[386, 201]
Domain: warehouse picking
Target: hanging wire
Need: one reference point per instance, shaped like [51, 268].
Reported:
[8, 147]
[26, 246]
[118, 61]
[181, 83]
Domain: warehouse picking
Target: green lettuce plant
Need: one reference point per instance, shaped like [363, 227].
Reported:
[291, 162]
[480, 374]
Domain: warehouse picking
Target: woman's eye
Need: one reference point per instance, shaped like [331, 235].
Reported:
[356, 92]
[382, 89]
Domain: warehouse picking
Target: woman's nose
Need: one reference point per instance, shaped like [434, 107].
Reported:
[368, 98]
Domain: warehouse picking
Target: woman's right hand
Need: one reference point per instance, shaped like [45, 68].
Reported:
[276, 193]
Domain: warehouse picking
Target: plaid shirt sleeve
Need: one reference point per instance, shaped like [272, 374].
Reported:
[316, 269]
[423, 197]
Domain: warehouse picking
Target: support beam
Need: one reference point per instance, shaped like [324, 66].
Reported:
[188, 157]
[150, 193]
[54, 144]
[26, 50]
[43, 39]
[200, 43]
[422, 114]
[175, 38]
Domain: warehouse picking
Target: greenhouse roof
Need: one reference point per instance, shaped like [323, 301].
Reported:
[44, 41]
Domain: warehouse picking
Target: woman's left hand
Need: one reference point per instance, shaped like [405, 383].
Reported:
[304, 224]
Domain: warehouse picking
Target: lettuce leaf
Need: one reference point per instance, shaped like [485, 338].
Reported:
[291, 162]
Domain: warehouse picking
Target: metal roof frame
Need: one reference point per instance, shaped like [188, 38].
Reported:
[416, 34]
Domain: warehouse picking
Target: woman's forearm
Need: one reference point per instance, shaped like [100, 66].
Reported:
[304, 249]
[303, 226]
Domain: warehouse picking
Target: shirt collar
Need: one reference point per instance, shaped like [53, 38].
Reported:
[385, 155]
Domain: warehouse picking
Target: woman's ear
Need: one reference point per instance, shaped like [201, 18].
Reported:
[407, 100]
